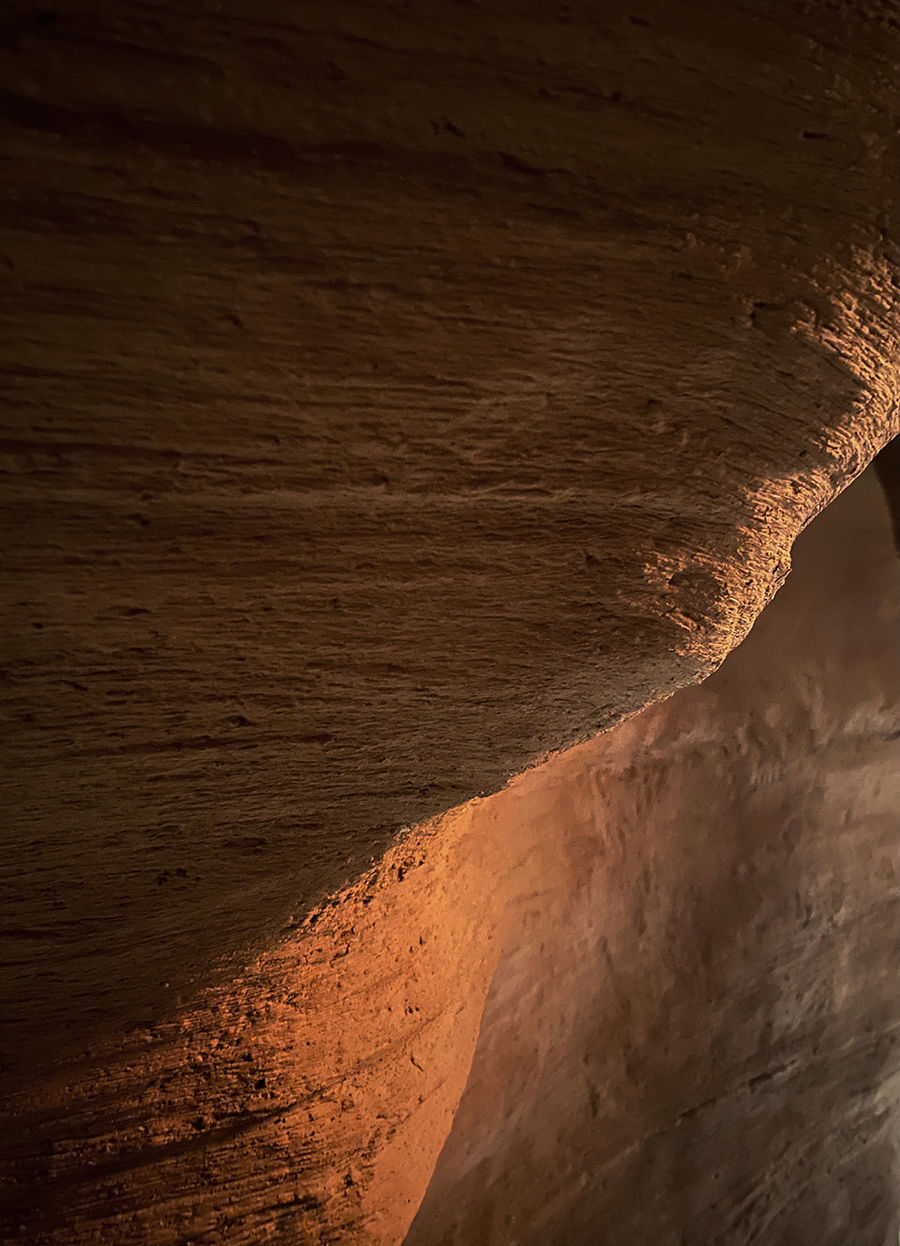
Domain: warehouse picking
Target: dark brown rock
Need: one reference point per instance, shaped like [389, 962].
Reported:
[391, 394]
[389, 399]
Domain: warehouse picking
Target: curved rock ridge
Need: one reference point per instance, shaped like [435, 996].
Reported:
[686, 933]
[388, 400]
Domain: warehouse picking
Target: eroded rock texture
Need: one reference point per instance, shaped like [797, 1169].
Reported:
[691, 1032]
[392, 394]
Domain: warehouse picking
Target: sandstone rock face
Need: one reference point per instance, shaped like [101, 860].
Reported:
[686, 934]
[692, 1031]
[392, 395]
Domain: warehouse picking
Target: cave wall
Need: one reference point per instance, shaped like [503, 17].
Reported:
[390, 397]
[647, 992]
[692, 1031]
[388, 401]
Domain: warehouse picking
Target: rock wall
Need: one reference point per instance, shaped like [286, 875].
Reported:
[686, 932]
[391, 395]
[692, 1032]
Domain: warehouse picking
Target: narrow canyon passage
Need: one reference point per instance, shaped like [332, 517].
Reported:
[389, 398]
[407, 407]
[691, 1035]
[685, 931]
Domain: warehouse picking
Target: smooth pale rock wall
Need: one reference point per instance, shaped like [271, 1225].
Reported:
[690, 1034]
[391, 393]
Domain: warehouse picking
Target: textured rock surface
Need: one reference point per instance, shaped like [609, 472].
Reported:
[390, 397]
[691, 1034]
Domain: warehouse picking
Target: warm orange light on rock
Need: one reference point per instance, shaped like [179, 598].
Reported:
[646, 1028]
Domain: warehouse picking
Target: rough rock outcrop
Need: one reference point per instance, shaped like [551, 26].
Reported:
[389, 398]
[691, 1034]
